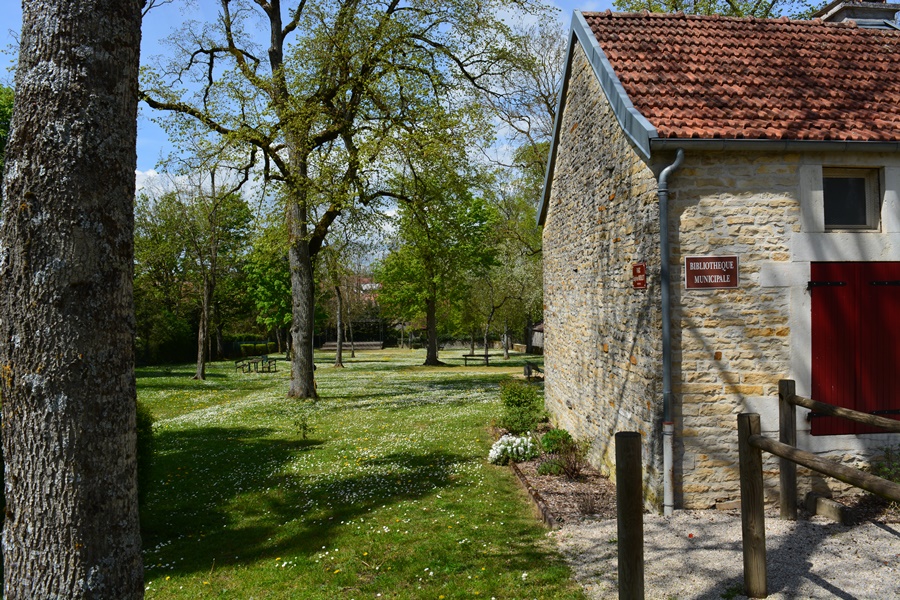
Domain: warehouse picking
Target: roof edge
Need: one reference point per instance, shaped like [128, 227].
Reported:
[633, 123]
[770, 145]
[635, 126]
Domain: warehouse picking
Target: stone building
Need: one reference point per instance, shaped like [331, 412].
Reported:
[770, 152]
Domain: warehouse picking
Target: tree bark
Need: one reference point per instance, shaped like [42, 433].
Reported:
[431, 354]
[339, 352]
[302, 384]
[203, 329]
[66, 308]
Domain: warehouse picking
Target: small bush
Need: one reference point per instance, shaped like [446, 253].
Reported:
[888, 467]
[145, 446]
[523, 407]
[573, 458]
[554, 440]
[550, 466]
[512, 448]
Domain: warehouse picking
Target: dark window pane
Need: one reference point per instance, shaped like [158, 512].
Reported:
[845, 202]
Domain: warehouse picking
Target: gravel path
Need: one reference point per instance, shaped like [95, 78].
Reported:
[697, 554]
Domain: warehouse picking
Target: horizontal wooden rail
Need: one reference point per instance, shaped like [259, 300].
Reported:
[852, 415]
[860, 479]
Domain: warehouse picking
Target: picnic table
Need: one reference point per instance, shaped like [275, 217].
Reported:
[257, 364]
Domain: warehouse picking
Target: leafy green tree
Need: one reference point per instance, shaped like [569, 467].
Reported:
[442, 230]
[190, 245]
[268, 276]
[341, 77]
[161, 279]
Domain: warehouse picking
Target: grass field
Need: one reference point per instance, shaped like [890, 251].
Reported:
[380, 489]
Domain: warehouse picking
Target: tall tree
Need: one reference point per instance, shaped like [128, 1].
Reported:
[66, 313]
[268, 275]
[215, 223]
[524, 98]
[330, 100]
[442, 231]
[162, 279]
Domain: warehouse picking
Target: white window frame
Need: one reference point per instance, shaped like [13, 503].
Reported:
[872, 178]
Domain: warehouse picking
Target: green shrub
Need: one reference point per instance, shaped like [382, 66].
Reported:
[566, 455]
[523, 407]
[145, 447]
[888, 466]
[550, 466]
[554, 440]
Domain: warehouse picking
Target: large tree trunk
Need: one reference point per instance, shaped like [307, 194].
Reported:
[203, 329]
[431, 354]
[303, 383]
[339, 352]
[66, 307]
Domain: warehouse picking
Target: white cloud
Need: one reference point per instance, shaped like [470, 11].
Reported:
[145, 179]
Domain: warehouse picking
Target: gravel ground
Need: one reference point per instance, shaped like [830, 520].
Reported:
[697, 554]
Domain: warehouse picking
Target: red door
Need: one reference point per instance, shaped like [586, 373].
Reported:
[855, 341]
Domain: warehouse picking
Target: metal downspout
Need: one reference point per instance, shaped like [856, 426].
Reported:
[668, 424]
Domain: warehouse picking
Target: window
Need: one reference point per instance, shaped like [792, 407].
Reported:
[851, 198]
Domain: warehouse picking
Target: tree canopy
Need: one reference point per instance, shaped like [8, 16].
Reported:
[339, 79]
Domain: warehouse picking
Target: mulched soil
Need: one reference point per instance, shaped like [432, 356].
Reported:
[593, 496]
[590, 496]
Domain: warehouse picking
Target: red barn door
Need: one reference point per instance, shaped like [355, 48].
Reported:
[855, 341]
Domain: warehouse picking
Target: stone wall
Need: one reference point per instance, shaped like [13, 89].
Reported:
[730, 346]
[602, 343]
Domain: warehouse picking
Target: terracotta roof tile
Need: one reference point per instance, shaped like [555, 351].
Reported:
[720, 77]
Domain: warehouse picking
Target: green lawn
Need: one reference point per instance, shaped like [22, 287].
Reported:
[389, 494]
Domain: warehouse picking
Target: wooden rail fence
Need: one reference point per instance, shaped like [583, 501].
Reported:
[751, 443]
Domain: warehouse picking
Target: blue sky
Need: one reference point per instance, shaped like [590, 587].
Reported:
[152, 141]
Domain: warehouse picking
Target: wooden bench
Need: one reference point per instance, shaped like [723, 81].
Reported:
[267, 365]
[475, 357]
[332, 346]
[243, 365]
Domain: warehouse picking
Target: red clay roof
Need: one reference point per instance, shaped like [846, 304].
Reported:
[720, 77]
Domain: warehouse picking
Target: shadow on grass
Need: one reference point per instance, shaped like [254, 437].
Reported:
[220, 496]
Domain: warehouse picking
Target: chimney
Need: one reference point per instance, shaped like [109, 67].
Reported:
[871, 15]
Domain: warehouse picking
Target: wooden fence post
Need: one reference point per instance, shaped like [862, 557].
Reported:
[630, 509]
[787, 434]
[753, 519]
